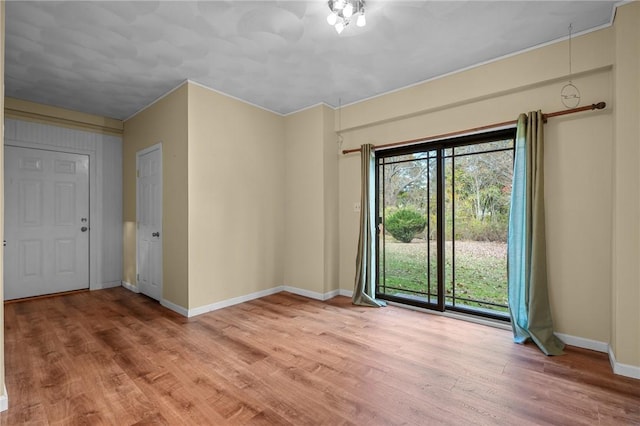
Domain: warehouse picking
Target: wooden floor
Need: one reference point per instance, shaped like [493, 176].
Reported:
[115, 357]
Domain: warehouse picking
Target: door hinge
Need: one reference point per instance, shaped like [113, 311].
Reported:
[137, 173]
[138, 277]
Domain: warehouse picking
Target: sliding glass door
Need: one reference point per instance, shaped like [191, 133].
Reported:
[443, 217]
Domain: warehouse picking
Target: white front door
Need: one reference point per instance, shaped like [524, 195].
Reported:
[46, 222]
[149, 208]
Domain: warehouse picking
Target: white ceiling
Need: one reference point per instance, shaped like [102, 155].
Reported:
[114, 58]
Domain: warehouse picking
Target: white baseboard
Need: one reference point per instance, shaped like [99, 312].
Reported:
[111, 284]
[581, 342]
[175, 308]
[627, 370]
[4, 400]
[331, 294]
[594, 345]
[169, 305]
[343, 292]
[303, 292]
[311, 294]
[241, 299]
[130, 287]
[233, 301]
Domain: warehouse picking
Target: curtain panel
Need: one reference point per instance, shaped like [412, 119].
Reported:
[365, 283]
[526, 245]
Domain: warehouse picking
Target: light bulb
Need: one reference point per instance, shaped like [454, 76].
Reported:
[348, 10]
[332, 18]
[362, 21]
[339, 27]
[338, 4]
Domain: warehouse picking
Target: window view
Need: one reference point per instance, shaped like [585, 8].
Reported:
[444, 210]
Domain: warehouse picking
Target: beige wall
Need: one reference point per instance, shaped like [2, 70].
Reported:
[311, 181]
[331, 206]
[625, 321]
[236, 182]
[578, 160]
[2, 4]
[304, 183]
[223, 195]
[164, 122]
[514, 74]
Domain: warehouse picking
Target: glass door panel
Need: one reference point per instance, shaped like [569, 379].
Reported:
[408, 227]
[478, 191]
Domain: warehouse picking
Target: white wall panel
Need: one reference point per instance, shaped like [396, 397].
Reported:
[112, 209]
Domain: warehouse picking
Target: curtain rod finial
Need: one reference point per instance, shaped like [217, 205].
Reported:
[600, 105]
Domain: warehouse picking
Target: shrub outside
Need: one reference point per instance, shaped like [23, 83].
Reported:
[405, 224]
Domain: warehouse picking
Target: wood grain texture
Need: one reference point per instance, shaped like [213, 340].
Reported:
[118, 358]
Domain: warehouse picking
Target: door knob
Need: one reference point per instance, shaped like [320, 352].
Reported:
[84, 229]
[155, 234]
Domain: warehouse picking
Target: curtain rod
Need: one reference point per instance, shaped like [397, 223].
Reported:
[599, 105]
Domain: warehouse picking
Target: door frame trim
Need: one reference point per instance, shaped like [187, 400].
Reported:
[95, 217]
[158, 147]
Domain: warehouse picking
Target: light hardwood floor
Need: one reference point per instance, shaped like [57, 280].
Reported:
[114, 357]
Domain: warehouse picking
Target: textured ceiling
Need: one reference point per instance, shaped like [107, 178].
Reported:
[114, 58]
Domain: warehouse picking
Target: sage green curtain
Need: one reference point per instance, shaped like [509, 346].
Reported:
[526, 251]
[365, 283]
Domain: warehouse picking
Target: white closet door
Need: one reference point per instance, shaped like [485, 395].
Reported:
[149, 208]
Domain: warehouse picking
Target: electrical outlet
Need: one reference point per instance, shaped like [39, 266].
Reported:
[356, 207]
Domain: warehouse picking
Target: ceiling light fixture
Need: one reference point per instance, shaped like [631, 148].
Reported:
[343, 11]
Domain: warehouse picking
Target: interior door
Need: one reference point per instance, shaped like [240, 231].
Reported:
[149, 208]
[46, 222]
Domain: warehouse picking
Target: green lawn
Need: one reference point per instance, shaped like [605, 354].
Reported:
[480, 271]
